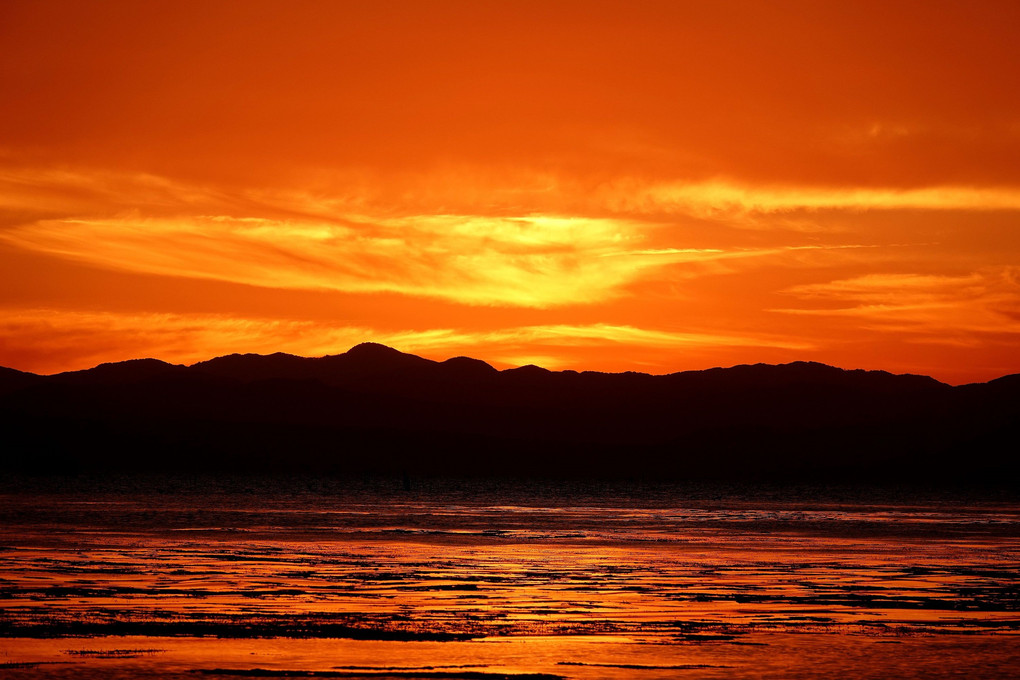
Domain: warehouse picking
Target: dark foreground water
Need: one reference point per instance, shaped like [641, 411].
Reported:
[197, 578]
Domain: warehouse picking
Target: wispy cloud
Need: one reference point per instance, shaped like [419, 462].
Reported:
[529, 261]
[724, 199]
[80, 192]
[532, 261]
[961, 309]
[575, 335]
[499, 192]
[469, 241]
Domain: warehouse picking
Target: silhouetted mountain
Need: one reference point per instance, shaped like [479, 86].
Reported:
[123, 372]
[12, 380]
[376, 410]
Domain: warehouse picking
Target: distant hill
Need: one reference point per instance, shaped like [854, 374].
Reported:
[374, 410]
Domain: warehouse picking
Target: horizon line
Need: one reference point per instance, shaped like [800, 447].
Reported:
[368, 344]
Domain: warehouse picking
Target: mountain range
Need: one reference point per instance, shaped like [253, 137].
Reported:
[375, 410]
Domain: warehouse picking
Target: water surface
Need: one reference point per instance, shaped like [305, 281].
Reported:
[174, 577]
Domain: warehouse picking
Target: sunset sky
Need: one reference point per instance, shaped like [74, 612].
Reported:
[651, 186]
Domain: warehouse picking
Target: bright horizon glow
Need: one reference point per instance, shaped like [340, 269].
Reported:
[661, 186]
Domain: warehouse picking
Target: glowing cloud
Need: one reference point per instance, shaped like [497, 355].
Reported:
[731, 200]
[928, 308]
[528, 261]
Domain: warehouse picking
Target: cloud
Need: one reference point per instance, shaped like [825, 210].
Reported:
[532, 261]
[549, 243]
[81, 192]
[729, 200]
[481, 191]
[961, 309]
[575, 335]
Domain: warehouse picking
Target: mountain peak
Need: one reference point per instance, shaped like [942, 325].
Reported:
[374, 357]
[528, 370]
[466, 367]
[372, 349]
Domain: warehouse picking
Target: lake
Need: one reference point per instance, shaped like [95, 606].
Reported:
[177, 577]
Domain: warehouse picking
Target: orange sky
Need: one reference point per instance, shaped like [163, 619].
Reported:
[654, 186]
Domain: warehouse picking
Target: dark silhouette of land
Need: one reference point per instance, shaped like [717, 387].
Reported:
[374, 410]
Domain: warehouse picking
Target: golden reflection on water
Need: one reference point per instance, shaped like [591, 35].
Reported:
[134, 585]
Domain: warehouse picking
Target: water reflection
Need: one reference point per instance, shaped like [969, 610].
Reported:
[461, 580]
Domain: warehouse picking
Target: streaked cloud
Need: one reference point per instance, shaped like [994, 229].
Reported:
[934, 308]
[532, 261]
[721, 199]
[575, 335]
[349, 242]
[480, 191]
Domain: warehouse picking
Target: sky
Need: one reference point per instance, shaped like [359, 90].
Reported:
[648, 186]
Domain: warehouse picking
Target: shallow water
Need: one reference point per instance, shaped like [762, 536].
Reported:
[169, 577]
